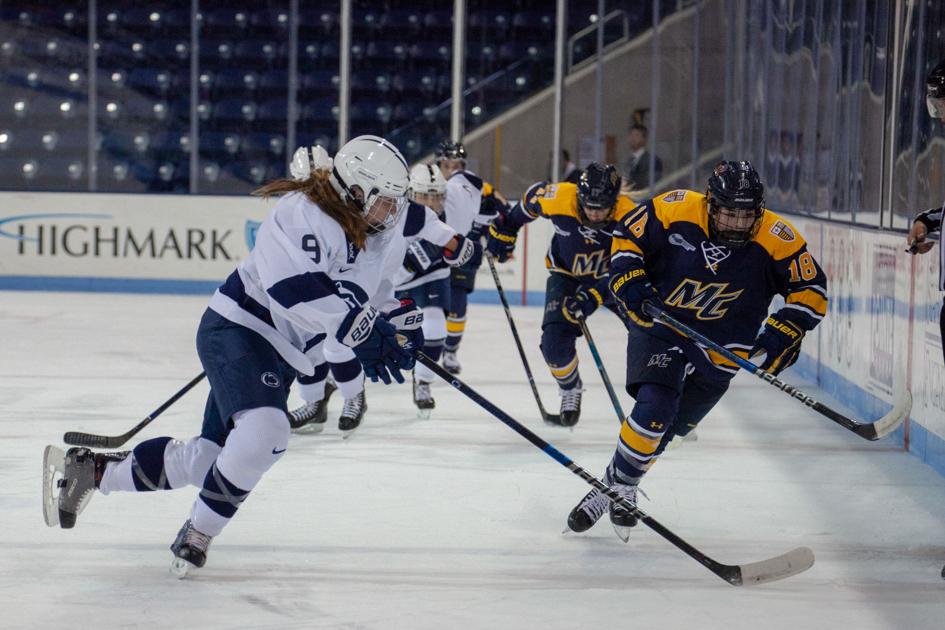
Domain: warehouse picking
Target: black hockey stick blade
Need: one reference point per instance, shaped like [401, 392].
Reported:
[91, 440]
[777, 568]
[867, 430]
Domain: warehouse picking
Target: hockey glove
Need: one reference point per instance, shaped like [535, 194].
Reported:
[781, 342]
[501, 242]
[408, 320]
[421, 255]
[374, 342]
[632, 290]
[580, 305]
[467, 251]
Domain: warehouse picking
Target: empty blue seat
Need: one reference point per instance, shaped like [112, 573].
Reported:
[151, 80]
[235, 110]
[259, 144]
[217, 144]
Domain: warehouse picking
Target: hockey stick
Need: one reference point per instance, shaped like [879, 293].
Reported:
[550, 418]
[777, 568]
[870, 430]
[77, 438]
[603, 371]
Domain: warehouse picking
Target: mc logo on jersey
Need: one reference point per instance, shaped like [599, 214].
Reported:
[707, 300]
[594, 264]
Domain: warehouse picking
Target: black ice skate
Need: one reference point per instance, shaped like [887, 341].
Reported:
[352, 414]
[571, 405]
[621, 518]
[190, 550]
[451, 362]
[69, 481]
[311, 417]
[586, 513]
[423, 398]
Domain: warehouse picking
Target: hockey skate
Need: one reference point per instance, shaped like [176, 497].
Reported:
[190, 550]
[352, 414]
[621, 518]
[311, 417]
[586, 513]
[451, 363]
[423, 398]
[69, 480]
[571, 405]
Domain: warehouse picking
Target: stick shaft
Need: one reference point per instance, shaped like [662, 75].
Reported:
[603, 372]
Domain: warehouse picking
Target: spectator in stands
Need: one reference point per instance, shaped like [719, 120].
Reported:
[569, 170]
[637, 168]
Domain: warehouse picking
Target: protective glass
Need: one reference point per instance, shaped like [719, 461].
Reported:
[936, 106]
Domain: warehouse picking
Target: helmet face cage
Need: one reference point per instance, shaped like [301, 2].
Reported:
[735, 199]
[372, 174]
[427, 186]
[598, 189]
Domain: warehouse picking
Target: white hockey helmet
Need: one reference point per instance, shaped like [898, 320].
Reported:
[305, 160]
[426, 179]
[378, 169]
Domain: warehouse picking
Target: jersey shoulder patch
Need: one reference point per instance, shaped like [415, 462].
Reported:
[559, 200]
[681, 206]
[778, 237]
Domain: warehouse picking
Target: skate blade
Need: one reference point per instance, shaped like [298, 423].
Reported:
[312, 428]
[623, 533]
[424, 414]
[347, 434]
[53, 470]
[180, 568]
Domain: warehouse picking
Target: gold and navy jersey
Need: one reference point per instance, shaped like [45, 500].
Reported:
[722, 292]
[576, 249]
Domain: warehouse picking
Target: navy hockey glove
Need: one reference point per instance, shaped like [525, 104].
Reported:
[374, 342]
[632, 290]
[421, 255]
[467, 251]
[780, 340]
[501, 242]
[580, 305]
[408, 320]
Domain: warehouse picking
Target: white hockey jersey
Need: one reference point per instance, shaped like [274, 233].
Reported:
[460, 211]
[303, 275]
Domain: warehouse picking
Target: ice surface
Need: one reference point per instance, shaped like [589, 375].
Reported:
[452, 522]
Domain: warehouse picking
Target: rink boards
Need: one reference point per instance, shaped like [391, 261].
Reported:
[881, 333]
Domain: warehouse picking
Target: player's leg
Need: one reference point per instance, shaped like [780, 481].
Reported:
[462, 282]
[558, 336]
[699, 396]
[655, 372]
[433, 298]
[349, 377]
[315, 390]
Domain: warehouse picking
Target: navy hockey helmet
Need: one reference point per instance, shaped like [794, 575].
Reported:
[597, 189]
[450, 150]
[736, 199]
[935, 91]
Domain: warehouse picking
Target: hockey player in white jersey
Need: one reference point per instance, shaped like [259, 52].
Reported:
[461, 210]
[321, 268]
[346, 374]
[425, 276]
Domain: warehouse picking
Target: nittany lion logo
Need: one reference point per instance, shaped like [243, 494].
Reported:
[269, 379]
